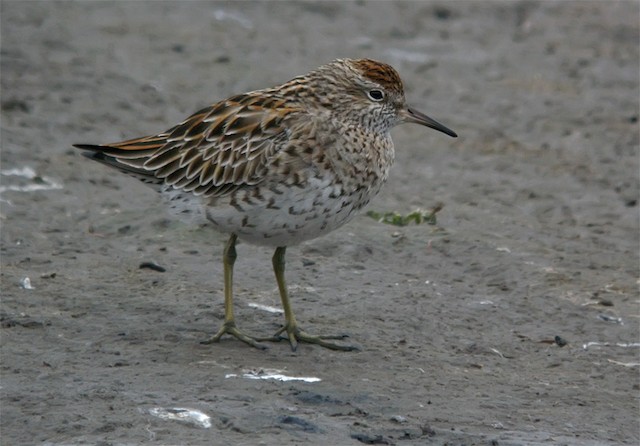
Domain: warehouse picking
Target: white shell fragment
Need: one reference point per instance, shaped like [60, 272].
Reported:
[31, 181]
[611, 344]
[272, 374]
[25, 283]
[266, 308]
[189, 416]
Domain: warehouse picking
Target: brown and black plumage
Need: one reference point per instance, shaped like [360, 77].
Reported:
[278, 166]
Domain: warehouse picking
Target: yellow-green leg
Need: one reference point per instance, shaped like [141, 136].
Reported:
[294, 333]
[229, 324]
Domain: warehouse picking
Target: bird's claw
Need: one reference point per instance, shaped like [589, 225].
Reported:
[295, 335]
[231, 329]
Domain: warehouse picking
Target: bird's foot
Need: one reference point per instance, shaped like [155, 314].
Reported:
[231, 329]
[295, 335]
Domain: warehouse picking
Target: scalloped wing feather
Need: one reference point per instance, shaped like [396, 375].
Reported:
[217, 150]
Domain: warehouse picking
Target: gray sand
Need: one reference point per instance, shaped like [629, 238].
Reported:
[457, 322]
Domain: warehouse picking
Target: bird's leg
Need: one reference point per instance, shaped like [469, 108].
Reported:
[229, 324]
[294, 333]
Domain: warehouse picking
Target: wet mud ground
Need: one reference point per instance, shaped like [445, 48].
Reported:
[513, 321]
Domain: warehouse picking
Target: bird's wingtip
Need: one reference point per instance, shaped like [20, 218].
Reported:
[92, 147]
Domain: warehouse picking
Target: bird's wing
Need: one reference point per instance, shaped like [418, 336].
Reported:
[217, 150]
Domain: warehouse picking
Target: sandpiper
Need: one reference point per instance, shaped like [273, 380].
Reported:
[278, 166]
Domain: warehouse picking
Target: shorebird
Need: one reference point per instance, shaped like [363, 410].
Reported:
[278, 166]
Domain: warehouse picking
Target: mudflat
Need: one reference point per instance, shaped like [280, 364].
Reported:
[512, 321]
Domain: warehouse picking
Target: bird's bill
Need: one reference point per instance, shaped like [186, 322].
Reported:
[412, 115]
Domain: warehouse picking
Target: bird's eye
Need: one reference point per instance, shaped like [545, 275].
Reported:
[375, 95]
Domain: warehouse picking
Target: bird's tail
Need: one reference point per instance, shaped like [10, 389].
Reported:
[128, 157]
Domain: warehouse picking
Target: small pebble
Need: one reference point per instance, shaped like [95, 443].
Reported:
[560, 342]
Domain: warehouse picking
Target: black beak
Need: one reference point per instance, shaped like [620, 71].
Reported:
[411, 115]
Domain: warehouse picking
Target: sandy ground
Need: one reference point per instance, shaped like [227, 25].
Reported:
[457, 322]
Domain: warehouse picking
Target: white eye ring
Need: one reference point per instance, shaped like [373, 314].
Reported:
[375, 95]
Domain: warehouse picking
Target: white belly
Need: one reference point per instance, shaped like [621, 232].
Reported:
[294, 216]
